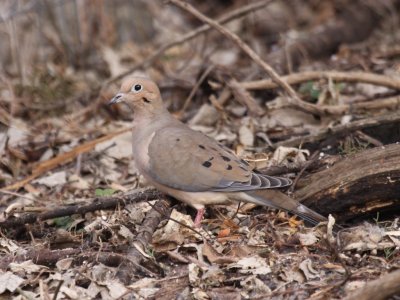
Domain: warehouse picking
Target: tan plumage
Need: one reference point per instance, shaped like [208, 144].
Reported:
[190, 166]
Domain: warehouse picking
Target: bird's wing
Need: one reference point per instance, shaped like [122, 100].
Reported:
[188, 160]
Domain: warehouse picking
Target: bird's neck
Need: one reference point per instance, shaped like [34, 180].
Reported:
[147, 122]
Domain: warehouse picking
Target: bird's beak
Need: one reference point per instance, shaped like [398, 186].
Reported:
[117, 99]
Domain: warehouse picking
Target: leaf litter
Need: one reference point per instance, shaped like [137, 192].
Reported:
[79, 150]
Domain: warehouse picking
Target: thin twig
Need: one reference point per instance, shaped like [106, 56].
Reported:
[313, 157]
[97, 204]
[58, 289]
[61, 159]
[391, 103]
[340, 130]
[369, 139]
[16, 195]
[293, 98]
[296, 78]
[196, 87]
[237, 13]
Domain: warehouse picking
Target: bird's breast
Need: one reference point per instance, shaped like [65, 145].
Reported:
[140, 151]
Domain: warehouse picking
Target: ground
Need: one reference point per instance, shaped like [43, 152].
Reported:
[307, 90]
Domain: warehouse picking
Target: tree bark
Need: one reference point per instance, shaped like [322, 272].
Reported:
[364, 183]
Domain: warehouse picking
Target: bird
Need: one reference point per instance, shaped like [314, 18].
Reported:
[192, 167]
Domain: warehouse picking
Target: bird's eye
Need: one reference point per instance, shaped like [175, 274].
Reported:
[137, 88]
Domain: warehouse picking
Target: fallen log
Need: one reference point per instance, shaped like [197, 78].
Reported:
[367, 182]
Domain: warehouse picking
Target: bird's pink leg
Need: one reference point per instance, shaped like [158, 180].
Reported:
[199, 217]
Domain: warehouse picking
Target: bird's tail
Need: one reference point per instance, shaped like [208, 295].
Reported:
[276, 199]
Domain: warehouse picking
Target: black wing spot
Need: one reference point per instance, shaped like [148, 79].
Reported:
[202, 147]
[229, 167]
[206, 164]
[225, 158]
[244, 169]
[178, 140]
[211, 158]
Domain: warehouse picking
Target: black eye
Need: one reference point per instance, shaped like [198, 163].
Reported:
[137, 88]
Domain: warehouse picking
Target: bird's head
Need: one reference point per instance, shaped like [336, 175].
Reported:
[140, 94]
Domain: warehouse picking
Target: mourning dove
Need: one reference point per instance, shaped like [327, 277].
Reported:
[191, 166]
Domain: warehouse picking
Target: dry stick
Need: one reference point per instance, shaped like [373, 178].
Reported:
[97, 204]
[341, 130]
[381, 288]
[244, 97]
[60, 283]
[376, 79]
[293, 99]
[196, 87]
[311, 160]
[61, 159]
[134, 257]
[369, 139]
[237, 13]
[391, 103]
[44, 257]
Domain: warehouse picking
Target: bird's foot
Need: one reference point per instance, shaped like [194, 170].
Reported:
[199, 217]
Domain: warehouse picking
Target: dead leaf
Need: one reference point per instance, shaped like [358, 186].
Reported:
[255, 286]
[213, 276]
[335, 267]
[77, 182]
[145, 287]
[17, 132]
[246, 133]
[296, 155]
[119, 147]
[69, 292]
[10, 282]
[61, 159]
[55, 179]
[26, 267]
[245, 98]
[112, 58]
[252, 265]
[224, 233]
[173, 234]
[363, 238]
[215, 258]
[194, 274]
[8, 244]
[116, 288]
[207, 115]
[308, 270]
[224, 57]
[64, 264]
[292, 275]
[294, 222]
[307, 239]
[199, 294]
